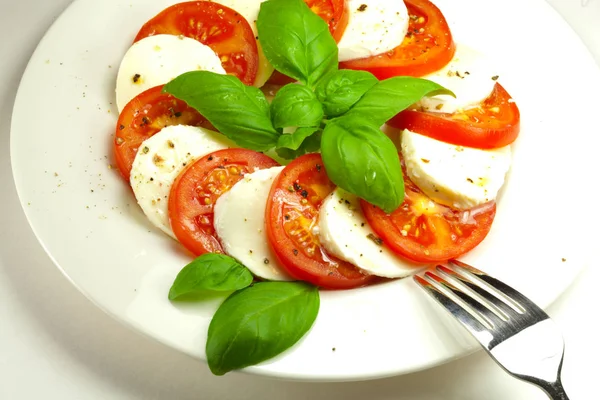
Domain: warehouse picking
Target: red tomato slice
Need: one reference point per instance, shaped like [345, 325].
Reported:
[279, 79]
[145, 115]
[292, 213]
[495, 123]
[219, 27]
[427, 47]
[334, 12]
[197, 188]
[424, 231]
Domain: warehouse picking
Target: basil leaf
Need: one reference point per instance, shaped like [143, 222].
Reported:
[296, 105]
[389, 97]
[294, 140]
[258, 323]
[309, 144]
[342, 89]
[362, 160]
[296, 41]
[210, 272]
[238, 111]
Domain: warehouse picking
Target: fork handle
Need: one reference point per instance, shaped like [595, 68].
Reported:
[554, 390]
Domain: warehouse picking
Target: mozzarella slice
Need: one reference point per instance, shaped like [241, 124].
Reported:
[469, 75]
[157, 59]
[249, 10]
[346, 234]
[459, 177]
[374, 27]
[240, 224]
[160, 159]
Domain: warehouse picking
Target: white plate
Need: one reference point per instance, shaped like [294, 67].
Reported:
[87, 220]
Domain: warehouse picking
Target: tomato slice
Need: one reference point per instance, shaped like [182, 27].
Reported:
[292, 214]
[279, 79]
[334, 12]
[197, 188]
[495, 123]
[424, 231]
[219, 27]
[145, 115]
[427, 47]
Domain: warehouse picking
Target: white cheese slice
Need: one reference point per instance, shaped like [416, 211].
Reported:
[470, 75]
[456, 176]
[345, 233]
[160, 159]
[240, 224]
[158, 59]
[374, 27]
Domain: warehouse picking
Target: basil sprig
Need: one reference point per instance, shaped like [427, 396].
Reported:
[387, 98]
[258, 323]
[362, 160]
[343, 89]
[296, 105]
[255, 323]
[210, 273]
[295, 140]
[302, 141]
[317, 109]
[296, 41]
[240, 112]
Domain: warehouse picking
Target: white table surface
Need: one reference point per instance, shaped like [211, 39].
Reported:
[54, 344]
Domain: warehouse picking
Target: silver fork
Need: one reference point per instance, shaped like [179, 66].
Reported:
[518, 335]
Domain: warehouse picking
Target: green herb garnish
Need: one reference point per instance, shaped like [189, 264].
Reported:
[258, 323]
[296, 41]
[296, 105]
[343, 89]
[387, 98]
[238, 111]
[362, 160]
[210, 273]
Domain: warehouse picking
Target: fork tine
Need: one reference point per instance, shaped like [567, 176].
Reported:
[528, 345]
[492, 319]
[474, 326]
[509, 294]
[502, 309]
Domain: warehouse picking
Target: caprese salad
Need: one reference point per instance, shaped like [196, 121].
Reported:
[252, 131]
